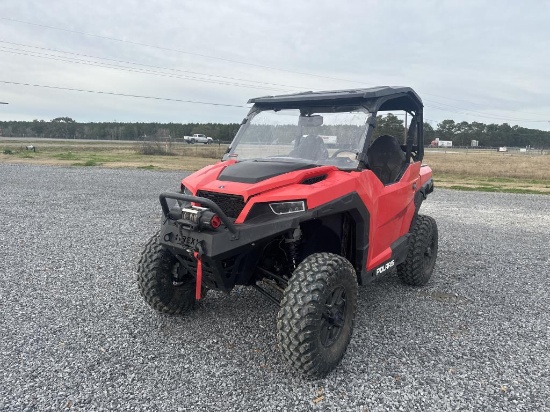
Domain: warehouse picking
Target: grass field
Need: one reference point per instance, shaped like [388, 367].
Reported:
[491, 171]
[110, 154]
[465, 170]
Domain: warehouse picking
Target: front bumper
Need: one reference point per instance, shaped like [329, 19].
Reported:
[229, 254]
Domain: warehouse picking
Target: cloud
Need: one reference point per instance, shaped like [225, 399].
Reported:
[468, 60]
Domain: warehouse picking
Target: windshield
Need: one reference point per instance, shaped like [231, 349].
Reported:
[318, 138]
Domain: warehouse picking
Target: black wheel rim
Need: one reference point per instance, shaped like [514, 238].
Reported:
[180, 279]
[429, 253]
[334, 316]
[176, 276]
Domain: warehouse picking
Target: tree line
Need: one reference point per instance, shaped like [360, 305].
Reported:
[461, 134]
[67, 128]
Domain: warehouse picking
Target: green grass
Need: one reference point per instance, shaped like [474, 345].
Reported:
[509, 180]
[87, 159]
[499, 179]
[68, 156]
[148, 167]
[493, 184]
[106, 159]
[87, 163]
[496, 189]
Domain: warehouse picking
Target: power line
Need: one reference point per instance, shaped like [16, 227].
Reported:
[130, 69]
[121, 94]
[146, 65]
[172, 50]
[450, 108]
[237, 62]
[466, 101]
[445, 107]
[512, 132]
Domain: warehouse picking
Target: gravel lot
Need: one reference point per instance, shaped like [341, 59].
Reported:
[75, 334]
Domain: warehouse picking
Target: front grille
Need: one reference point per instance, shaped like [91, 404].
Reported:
[231, 205]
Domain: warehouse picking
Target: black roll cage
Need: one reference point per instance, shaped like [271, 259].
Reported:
[410, 103]
[374, 99]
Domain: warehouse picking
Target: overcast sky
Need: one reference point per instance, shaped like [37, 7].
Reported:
[468, 60]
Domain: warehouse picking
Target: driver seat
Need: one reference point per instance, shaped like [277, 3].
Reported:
[310, 147]
[386, 159]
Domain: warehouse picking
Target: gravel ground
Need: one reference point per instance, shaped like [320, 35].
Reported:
[75, 334]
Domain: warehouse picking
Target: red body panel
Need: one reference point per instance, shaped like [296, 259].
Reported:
[391, 207]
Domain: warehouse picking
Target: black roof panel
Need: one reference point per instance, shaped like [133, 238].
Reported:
[372, 94]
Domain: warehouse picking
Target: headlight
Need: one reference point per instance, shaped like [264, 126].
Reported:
[181, 203]
[284, 208]
[185, 190]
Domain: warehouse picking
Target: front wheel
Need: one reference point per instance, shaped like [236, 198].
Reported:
[316, 315]
[423, 244]
[163, 282]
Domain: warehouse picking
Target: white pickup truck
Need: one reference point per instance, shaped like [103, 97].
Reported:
[198, 138]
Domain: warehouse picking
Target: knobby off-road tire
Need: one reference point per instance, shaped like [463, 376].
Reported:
[419, 265]
[159, 283]
[316, 314]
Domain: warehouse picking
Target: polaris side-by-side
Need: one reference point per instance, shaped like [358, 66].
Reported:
[305, 206]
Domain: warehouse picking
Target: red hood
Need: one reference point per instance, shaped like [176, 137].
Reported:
[207, 179]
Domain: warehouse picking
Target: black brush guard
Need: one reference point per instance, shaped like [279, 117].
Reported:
[202, 201]
[229, 253]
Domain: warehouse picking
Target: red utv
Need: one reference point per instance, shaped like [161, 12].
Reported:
[302, 221]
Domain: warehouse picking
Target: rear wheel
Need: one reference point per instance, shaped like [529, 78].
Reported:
[317, 312]
[423, 244]
[163, 282]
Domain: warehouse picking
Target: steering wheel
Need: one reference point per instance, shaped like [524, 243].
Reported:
[336, 153]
